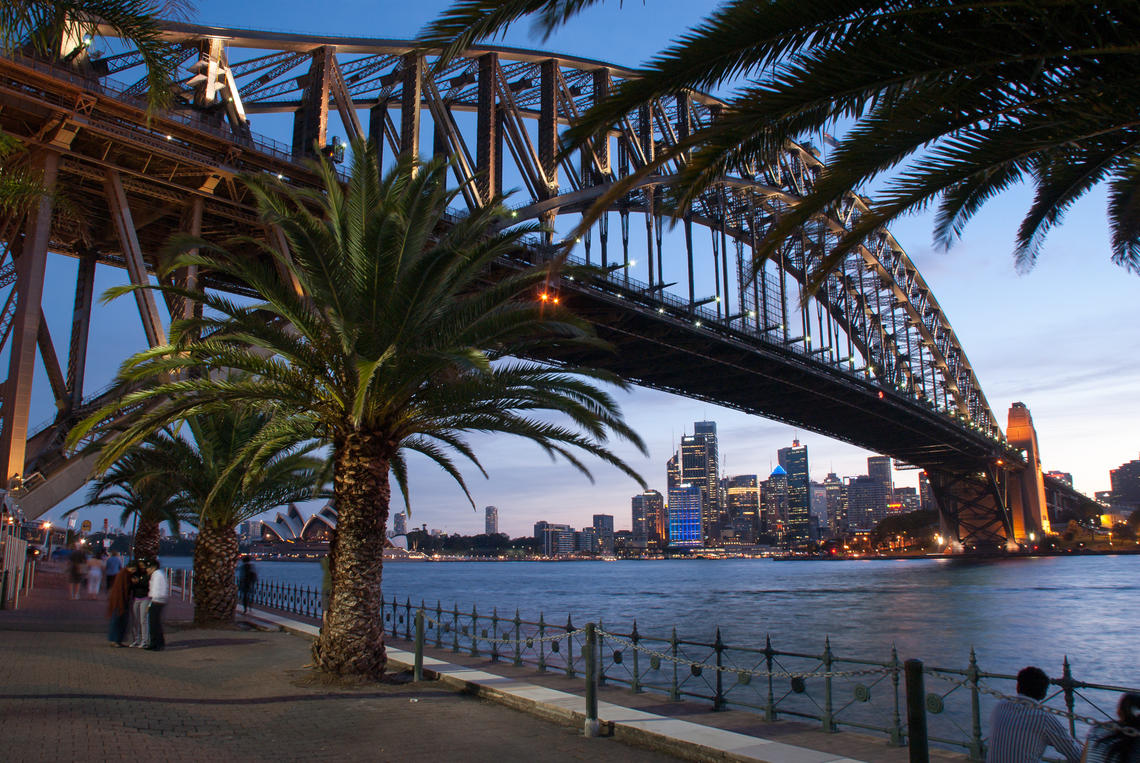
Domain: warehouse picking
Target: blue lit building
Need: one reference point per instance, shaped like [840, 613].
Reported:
[685, 515]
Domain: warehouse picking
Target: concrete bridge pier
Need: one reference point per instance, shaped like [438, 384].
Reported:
[1026, 487]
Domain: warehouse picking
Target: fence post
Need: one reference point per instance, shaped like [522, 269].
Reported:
[408, 618]
[418, 674]
[474, 631]
[4, 590]
[897, 731]
[916, 712]
[674, 690]
[828, 661]
[977, 748]
[438, 624]
[569, 648]
[592, 728]
[635, 684]
[518, 638]
[1067, 685]
[770, 710]
[541, 644]
[718, 645]
[495, 634]
[455, 627]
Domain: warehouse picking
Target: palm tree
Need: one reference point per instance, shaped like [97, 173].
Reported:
[212, 474]
[398, 329]
[135, 485]
[974, 97]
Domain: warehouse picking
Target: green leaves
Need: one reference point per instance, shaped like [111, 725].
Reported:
[406, 331]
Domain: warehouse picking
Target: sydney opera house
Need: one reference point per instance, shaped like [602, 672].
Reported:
[291, 535]
[291, 527]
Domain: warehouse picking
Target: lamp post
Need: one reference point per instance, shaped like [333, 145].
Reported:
[47, 540]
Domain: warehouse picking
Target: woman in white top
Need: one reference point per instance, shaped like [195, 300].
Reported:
[94, 576]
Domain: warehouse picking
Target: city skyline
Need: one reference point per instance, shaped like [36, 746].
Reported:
[1050, 338]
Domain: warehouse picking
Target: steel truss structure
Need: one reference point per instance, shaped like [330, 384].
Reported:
[871, 358]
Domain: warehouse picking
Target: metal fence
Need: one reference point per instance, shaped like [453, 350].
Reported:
[830, 689]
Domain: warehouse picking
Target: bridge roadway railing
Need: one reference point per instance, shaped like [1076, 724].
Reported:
[822, 686]
[111, 88]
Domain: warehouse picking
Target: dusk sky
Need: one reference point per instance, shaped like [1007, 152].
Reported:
[1060, 338]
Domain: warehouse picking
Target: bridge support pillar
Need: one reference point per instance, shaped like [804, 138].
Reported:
[1027, 487]
[30, 269]
[311, 121]
[80, 327]
[410, 102]
[972, 508]
[488, 136]
[132, 253]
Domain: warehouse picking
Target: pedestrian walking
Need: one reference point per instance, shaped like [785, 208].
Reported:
[158, 594]
[1020, 730]
[95, 574]
[76, 570]
[140, 602]
[1117, 742]
[119, 606]
[247, 579]
[111, 568]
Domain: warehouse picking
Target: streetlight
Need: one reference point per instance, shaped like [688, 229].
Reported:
[47, 539]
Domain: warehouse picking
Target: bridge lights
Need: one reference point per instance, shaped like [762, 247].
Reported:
[697, 324]
[661, 310]
[881, 395]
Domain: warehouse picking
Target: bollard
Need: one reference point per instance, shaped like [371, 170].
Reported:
[592, 728]
[418, 674]
[916, 712]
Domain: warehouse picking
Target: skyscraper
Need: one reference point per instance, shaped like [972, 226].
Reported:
[743, 506]
[866, 502]
[879, 468]
[672, 472]
[400, 523]
[774, 494]
[650, 524]
[700, 466]
[491, 520]
[685, 505]
[836, 506]
[794, 460]
[604, 528]
[1125, 481]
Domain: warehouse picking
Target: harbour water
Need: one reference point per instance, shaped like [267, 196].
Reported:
[1014, 612]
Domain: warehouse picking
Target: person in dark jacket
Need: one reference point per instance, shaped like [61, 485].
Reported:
[247, 579]
[119, 605]
[140, 603]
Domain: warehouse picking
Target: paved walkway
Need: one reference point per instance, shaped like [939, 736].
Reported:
[247, 694]
[65, 694]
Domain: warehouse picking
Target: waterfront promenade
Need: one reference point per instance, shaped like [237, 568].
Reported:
[246, 694]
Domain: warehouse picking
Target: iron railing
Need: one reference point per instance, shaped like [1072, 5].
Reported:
[826, 687]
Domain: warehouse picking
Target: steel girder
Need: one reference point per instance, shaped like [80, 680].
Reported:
[875, 321]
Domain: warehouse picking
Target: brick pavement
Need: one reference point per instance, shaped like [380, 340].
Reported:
[65, 694]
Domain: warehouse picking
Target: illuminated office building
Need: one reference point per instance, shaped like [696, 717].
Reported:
[794, 460]
[685, 505]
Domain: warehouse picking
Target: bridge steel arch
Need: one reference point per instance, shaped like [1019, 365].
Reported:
[871, 359]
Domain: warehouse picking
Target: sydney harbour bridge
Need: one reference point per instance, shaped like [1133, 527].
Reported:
[870, 358]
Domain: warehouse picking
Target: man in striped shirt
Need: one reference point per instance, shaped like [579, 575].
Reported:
[1020, 730]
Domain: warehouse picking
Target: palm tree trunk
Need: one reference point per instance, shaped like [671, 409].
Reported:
[351, 642]
[215, 563]
[146, 539]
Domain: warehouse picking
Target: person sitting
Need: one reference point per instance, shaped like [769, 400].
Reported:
[1020, 730]
[1117, 742]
